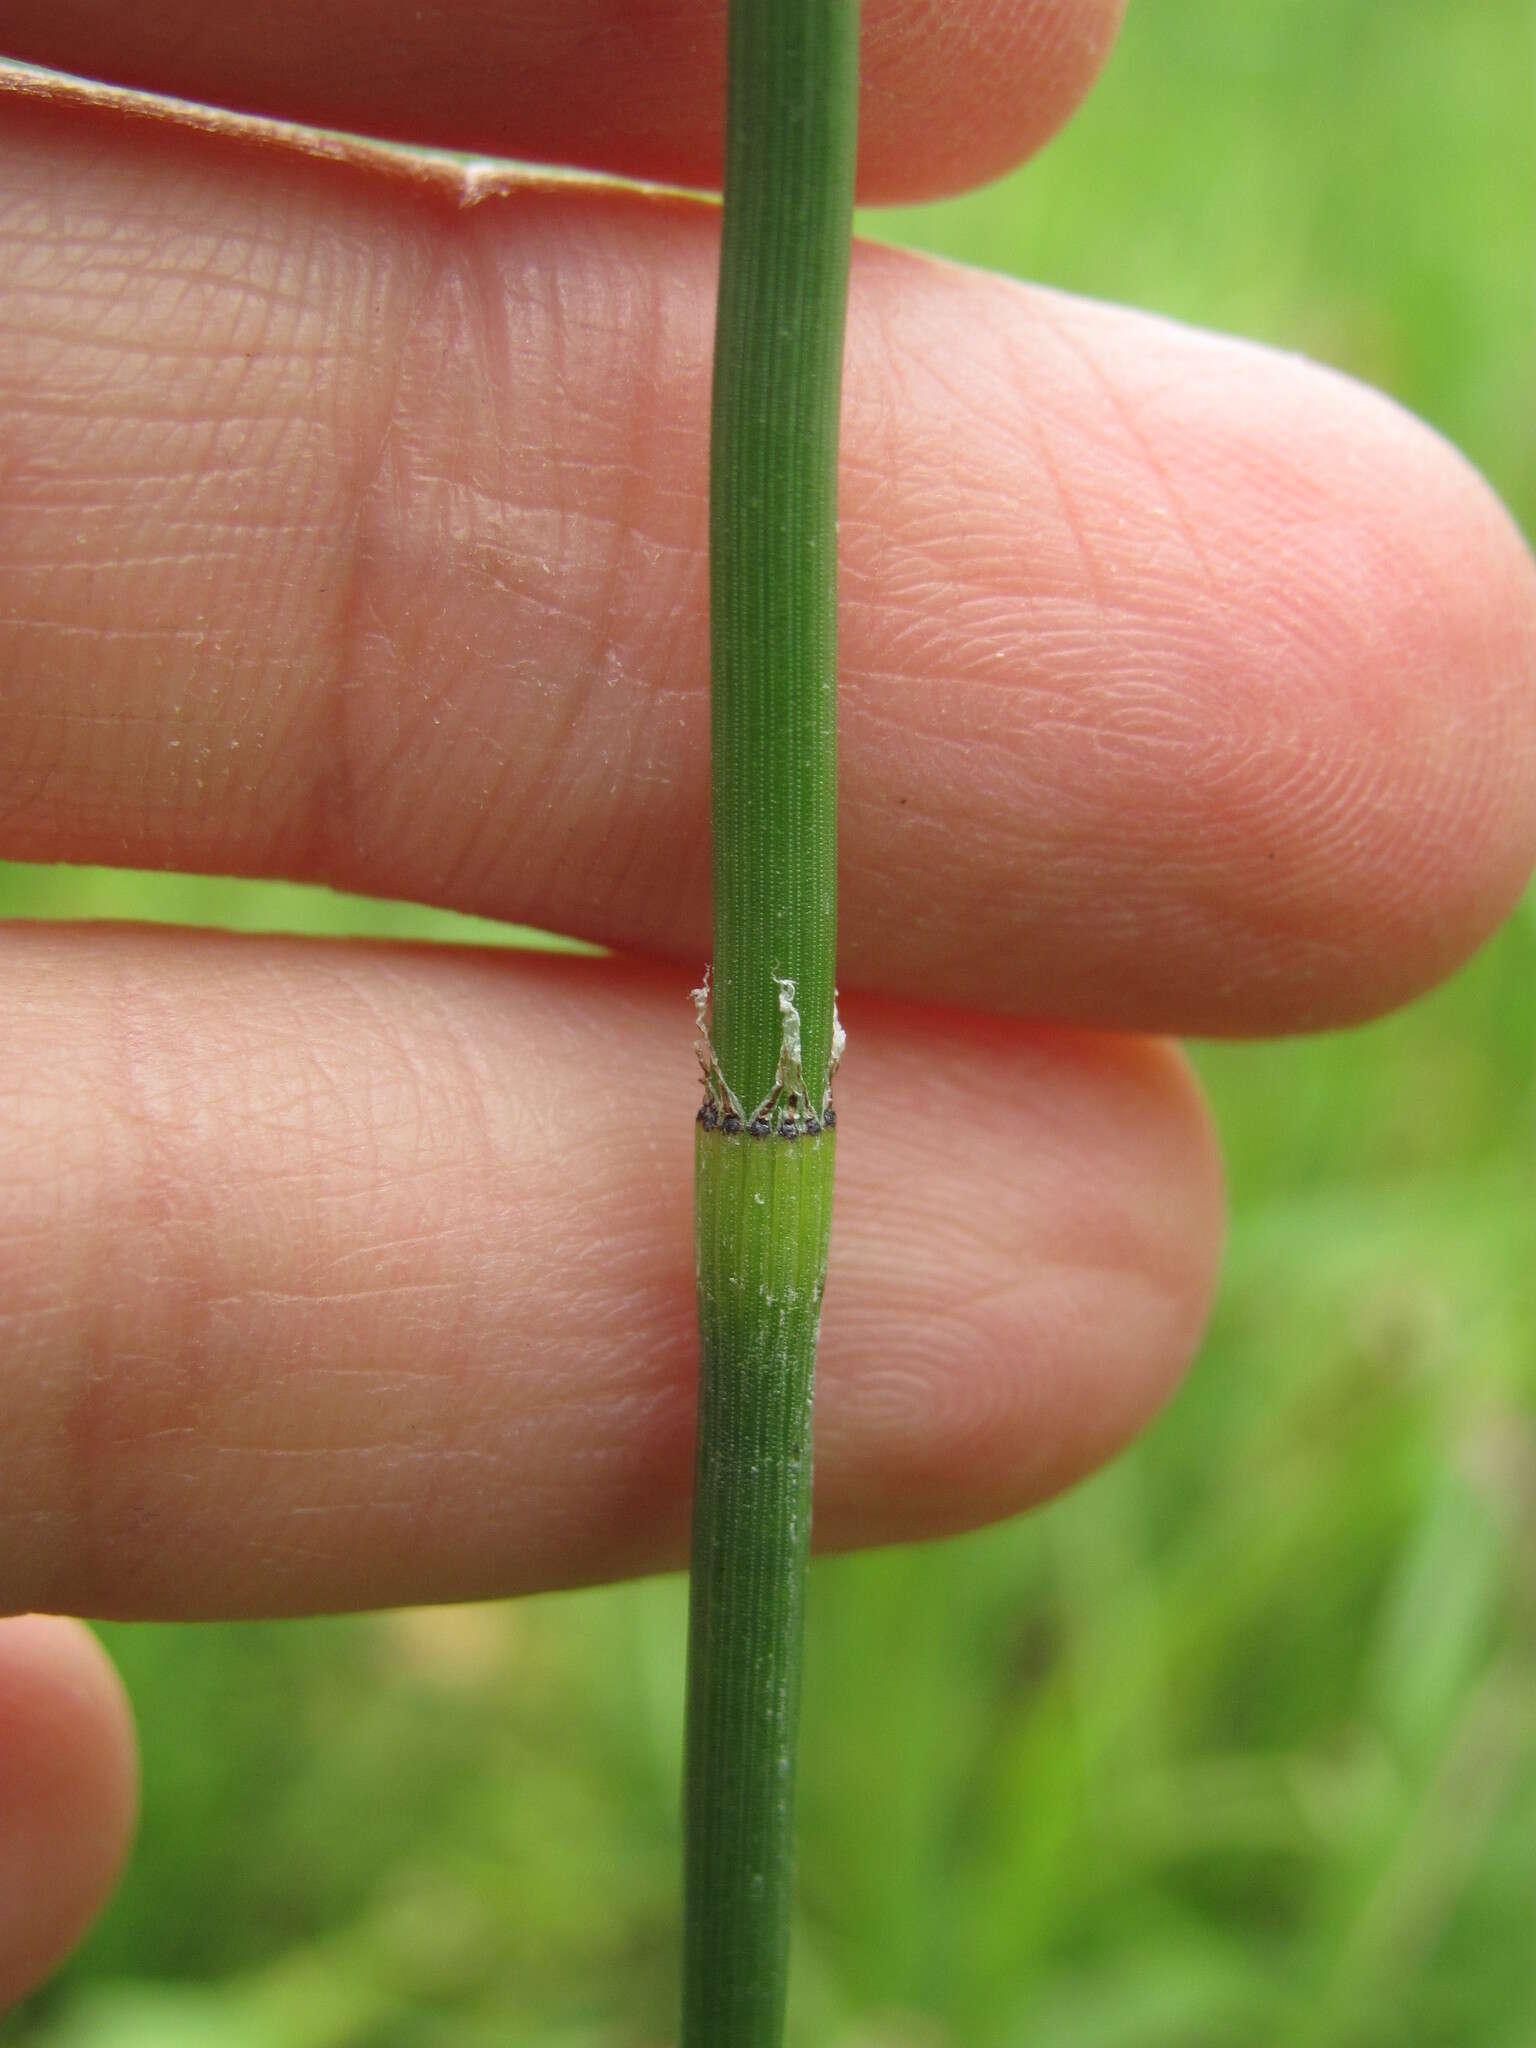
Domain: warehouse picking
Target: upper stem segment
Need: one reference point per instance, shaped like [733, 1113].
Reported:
[790, 143]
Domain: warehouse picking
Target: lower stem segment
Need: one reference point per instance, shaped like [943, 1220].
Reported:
[763, 1210]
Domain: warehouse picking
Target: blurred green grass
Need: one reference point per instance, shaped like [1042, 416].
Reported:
[1237, 1744]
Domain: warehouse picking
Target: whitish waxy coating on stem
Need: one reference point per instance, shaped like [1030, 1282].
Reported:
[785, 1111]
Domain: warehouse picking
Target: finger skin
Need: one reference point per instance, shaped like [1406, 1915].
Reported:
[950, 98]
[333, 1276]
[68, 1793]
[354, 536]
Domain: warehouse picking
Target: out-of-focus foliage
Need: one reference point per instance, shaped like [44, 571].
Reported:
[1237, 1745]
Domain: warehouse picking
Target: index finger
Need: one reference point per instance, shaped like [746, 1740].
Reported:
[356, 534]
[951, 96]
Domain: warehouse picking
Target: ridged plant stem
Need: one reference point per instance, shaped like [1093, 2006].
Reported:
[765, 1207]
[765, 1142]
[790, 132]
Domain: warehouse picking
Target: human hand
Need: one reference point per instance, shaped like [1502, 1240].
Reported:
[358, 537]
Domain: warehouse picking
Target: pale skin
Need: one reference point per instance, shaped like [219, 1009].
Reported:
[354, 535]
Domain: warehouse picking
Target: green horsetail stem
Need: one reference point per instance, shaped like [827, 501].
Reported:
[768, 1035]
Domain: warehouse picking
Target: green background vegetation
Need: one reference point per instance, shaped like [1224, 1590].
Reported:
[1237, 1744]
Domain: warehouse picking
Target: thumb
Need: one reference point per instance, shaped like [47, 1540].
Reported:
[68, 1792]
